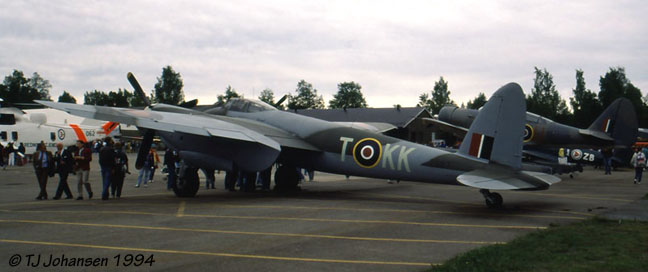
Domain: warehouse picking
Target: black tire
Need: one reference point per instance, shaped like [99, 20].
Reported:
[494, 200]
[250, 182]
[187, 186]
[286, 178]
[230, 180]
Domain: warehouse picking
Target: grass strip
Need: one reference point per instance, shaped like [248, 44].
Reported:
[591, 245]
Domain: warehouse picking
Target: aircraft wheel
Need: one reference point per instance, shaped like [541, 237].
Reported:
[187, 186]
[230, 180]
[494, 200]
[286, 178]
[250, 182]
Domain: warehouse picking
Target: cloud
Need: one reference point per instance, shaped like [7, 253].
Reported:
[388, 47]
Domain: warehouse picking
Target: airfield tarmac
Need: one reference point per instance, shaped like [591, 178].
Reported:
[334, 224]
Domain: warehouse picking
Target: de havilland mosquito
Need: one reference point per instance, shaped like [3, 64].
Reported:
[546, 140]
[251, 136]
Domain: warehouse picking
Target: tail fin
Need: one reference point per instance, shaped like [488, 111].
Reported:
[496, 137]
[496, 134]
[619, 121]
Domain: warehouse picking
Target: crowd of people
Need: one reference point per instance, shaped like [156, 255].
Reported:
[113, 162]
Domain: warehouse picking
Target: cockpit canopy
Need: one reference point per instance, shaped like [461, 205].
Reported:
[246, 105]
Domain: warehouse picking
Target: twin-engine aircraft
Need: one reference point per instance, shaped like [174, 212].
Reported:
[32, 127]
[546, 140]
[251, 136]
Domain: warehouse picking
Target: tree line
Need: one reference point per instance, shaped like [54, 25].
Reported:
[543, 100]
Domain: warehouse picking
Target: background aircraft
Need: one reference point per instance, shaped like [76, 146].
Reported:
[251, 136]
[546, 140]
[30, 127]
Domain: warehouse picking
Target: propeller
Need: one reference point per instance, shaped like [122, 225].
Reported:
[283, 98]
[147, 141]
[144, 148]
[138, 89]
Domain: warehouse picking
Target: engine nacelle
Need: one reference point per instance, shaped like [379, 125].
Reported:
[204, 161]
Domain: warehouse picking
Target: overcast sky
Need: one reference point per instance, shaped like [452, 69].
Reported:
[395, 49]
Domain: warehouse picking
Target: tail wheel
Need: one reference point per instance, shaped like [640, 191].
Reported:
[187, 185]
[494, 200]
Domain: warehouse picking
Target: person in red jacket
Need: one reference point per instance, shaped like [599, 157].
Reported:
[82, 158]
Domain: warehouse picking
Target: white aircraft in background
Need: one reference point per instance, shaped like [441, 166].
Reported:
[30, 127]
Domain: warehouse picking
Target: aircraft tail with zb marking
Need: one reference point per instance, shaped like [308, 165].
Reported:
[619, 121]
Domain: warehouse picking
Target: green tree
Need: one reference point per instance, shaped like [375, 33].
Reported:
[348, 96]
[17, 89]
[440, 96]
[135, 100]
[96, 98]
[168, 89]
[120, 98]
[545, 100]
[615, 84]
[229, 94]
[41, 85]
[67, 98]
[585, 105]
[306, 97]
[478, 102]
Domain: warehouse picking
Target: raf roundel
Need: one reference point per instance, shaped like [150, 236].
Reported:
[528, 133]
[367, 152]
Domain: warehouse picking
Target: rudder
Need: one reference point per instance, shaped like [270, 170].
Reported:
[496, 134]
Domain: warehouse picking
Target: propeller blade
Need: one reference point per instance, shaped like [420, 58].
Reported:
[138, 89]
[283, 98]
[144, 148]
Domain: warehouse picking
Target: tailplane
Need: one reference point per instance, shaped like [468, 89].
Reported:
[495, 139]
[619, 121]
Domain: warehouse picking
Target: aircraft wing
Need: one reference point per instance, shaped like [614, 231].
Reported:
[168, 122]
[377, 127]
[445, 126]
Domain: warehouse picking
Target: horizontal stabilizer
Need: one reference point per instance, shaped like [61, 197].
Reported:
[447, 127]
[596, 134]
[507, 180]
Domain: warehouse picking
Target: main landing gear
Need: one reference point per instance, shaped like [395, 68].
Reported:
[187, 183]
[287, 178]
[493, 200]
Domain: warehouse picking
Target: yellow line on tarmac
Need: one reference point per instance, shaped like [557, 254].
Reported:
[218, 254]
[394, 210]
[181, 209]
[431, 224]
[251, 232]
[465, 203]
[579, 197]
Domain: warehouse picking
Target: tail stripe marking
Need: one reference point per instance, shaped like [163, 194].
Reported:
[108, 127]
[79, 133]
[481, 146]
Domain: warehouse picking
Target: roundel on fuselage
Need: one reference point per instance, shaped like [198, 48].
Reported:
[367, 152]
[528, 133]
[61, 134]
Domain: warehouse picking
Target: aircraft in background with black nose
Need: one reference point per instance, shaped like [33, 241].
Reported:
[545, 141]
